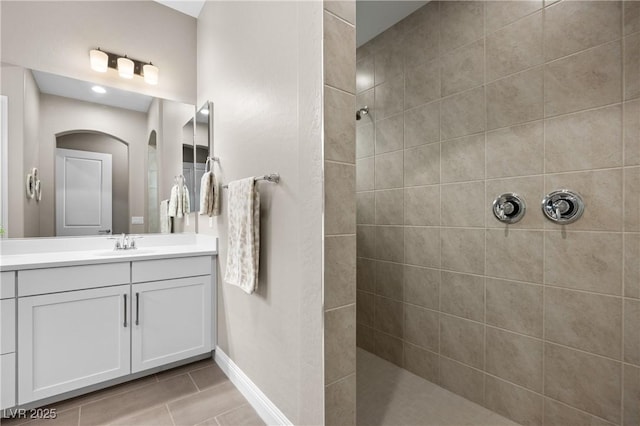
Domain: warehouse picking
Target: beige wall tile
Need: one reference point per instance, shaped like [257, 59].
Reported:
[590, 322]
[345, 9]
[422, 125]
[421, 362]
[393, 37]
[631, 132]
[462, 295]
[422, 205]
[514, 306]
[421, 286]
[463, 114]
[631, 12]
[364, 338]
[559, 414]
[566, 380]
[365, 241]
[389, 348]
[462, 68]
[389, 280]
[631, 335]
[389, 316]
[462, 380]
[631, 395]
[463, 250]
[390, 134]
[422, 247]
[339, 343]
[340, 198]
[340, 402]
[365, 174]
[366, 274]
[515, 47]
[585, 140]
[501, 13]
[632, 199]
[365, 207]
[423, 35]
[584, 261]
[365, 308]
[364, 74]
[516, 151]
[574, 26]
[601, 191]
[339, 59]
[463, 159]
[365, 141]
[515, 254]
[515, 99]
[463, 204]
[631, 265]
[339, 270]
[462, 340]
[388, 64]
[389, 169]
[421, 327]
[461, 23]
[389, 98]
[339, 126]
[389, 243]
[528, 188]
[365, 50]
[390, 207]
[422, 84]
[632, 66]
[515, 358]
[513, 402]
[586, 80]
[422, 165]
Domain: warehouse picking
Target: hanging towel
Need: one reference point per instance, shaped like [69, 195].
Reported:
[243, 247]
[179, 203]
[209, 195]
[165, 220]
[173, 202]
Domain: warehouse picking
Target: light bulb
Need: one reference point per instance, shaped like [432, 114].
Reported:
[99, 60]
[99, 89]
[125, 67]
[150, 72]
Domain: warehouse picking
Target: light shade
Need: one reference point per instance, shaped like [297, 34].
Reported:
[150, 73]
[99, 60]
[125, 67]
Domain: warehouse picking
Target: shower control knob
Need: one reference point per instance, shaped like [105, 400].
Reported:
[563, 206]
[509, 208]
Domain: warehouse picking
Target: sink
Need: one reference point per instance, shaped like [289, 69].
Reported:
[125, 252]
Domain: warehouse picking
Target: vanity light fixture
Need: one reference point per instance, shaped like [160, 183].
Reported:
[127, 67]
[99, 89]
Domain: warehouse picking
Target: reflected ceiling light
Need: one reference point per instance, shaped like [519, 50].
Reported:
[99, 60]
[204, 112]
[127, 67]
[99, 89]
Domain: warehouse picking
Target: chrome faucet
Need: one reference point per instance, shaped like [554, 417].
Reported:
[125, 242]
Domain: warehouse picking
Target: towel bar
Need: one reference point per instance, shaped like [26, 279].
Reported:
[273, 177]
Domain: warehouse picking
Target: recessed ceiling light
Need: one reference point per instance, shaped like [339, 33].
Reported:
[204, 112]
[99, 89]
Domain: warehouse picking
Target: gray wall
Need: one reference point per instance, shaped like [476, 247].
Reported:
[105, 144]
[469, 100]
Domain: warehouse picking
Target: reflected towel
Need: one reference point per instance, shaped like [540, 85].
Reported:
[165, 220]
[243, 248]
[209, 195]
[179, 202]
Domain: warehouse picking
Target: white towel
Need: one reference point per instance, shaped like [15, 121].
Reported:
[179, 202]
[209, 195]
[165, 220]
[243, 247]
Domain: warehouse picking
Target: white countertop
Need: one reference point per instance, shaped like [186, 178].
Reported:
[50, 253]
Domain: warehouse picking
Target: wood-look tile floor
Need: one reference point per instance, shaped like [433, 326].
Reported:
[194, 394]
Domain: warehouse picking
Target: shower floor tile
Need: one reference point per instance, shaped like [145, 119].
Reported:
[388, 395]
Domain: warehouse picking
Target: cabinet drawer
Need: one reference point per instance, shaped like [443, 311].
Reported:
[7, 284]
[166, 269]
[7, 381]
[53, 280]
[7, 326]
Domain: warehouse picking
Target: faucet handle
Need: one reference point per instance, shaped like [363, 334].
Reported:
[132, 240]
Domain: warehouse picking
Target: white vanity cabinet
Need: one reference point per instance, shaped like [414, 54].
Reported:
[7, 340]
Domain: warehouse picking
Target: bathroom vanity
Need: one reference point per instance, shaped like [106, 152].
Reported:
[78, 316]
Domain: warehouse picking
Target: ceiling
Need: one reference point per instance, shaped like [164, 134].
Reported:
[81, 90]
[188, 7]
[373, 17]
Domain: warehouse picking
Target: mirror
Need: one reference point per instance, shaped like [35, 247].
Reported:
[195, 155]
[102, 160]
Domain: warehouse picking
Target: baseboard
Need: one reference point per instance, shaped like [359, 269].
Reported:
[266, 409]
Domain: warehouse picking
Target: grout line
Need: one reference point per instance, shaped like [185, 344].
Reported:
[166, 406]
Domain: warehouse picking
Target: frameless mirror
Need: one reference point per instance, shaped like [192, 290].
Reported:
[100, 160]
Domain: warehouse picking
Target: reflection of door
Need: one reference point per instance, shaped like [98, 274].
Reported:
[83, 192]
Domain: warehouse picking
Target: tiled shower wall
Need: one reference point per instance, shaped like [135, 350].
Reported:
[468, 100]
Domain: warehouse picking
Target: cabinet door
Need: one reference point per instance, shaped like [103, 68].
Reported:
[171, 321]
[71, 340]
